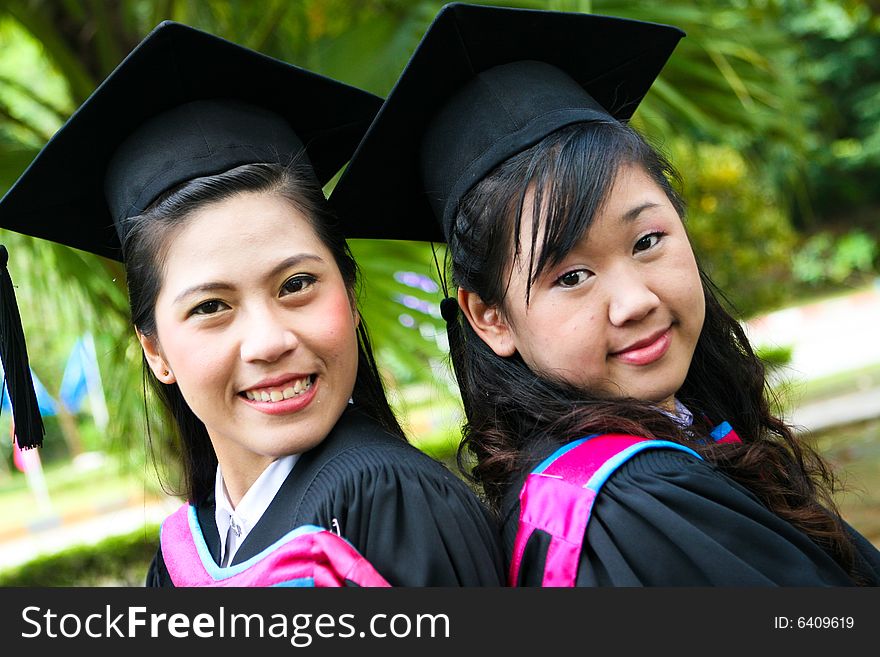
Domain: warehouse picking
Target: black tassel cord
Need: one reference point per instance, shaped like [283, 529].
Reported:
[29, 430]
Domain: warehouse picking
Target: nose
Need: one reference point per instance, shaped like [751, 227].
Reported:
[265, 335]
[630, 297]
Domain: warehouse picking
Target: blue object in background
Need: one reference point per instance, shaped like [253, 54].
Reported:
[74, 384]
[81, 382]
[47, 404]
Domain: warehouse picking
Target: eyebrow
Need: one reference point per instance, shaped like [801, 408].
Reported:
[633, 213]
[285, 264]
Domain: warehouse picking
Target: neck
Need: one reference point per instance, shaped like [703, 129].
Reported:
[667, 404]
[238, 479]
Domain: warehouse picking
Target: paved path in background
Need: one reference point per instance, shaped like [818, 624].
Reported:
[836, 335]
[827, 413]
[828, 337]
[88, 531]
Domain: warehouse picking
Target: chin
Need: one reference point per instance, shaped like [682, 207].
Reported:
[655, 395]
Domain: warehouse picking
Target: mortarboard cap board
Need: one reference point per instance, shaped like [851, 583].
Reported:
[484, 84]
[182, 105]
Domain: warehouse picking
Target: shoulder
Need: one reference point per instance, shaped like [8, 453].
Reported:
[360, 462]
[867, 557]
[699, 526]
[667, 517]
[661, 481]
[157, 574]
[620, 464]
[359, 447]
[622, 479]
[644, 469]
[659, 469]
[414, 519]
[632, 488]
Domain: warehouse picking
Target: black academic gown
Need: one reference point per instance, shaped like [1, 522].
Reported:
[667, 518]
[408, 515]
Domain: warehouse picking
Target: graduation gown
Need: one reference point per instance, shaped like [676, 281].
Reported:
[415, 521]
[668, 518]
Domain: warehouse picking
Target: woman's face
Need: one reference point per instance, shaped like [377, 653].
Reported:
[621, 314]
[256, 326]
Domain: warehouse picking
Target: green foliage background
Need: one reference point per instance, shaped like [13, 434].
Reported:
[769, 108]
[116, 561]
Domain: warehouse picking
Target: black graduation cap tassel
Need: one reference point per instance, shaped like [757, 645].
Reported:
[29, 430]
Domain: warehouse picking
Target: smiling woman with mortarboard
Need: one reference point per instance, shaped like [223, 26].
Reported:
[199, 164]
[615, 409]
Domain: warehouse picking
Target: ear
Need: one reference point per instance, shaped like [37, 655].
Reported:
[487, 322]
[155, 358]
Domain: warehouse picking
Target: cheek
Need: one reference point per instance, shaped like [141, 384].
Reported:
[694, 298]
[700, 303]
[588, 353]
[197, 360]
[570, 342]
[338, 323]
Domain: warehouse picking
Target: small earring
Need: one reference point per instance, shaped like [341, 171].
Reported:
[165, 372]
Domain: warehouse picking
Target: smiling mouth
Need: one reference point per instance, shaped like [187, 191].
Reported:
[646, 351]
[280, 393]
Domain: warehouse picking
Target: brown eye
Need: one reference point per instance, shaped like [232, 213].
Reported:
[572, 278]
[208, 307]
[296, 284]
[647, 242]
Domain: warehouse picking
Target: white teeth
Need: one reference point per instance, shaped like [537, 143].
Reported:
[297, 388]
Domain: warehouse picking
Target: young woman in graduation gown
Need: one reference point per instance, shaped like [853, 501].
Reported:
[209, 159]
[585, 318]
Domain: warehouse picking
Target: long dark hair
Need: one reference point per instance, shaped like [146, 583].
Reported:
[146, 236]
[571, 172]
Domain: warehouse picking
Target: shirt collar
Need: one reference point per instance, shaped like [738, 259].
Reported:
[254, 503]
[682, 415]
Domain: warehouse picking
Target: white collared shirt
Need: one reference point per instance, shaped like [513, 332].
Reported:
[251, 507]
[682, 414]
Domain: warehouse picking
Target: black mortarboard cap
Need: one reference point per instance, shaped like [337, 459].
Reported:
[183, 104]
[484, 84]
